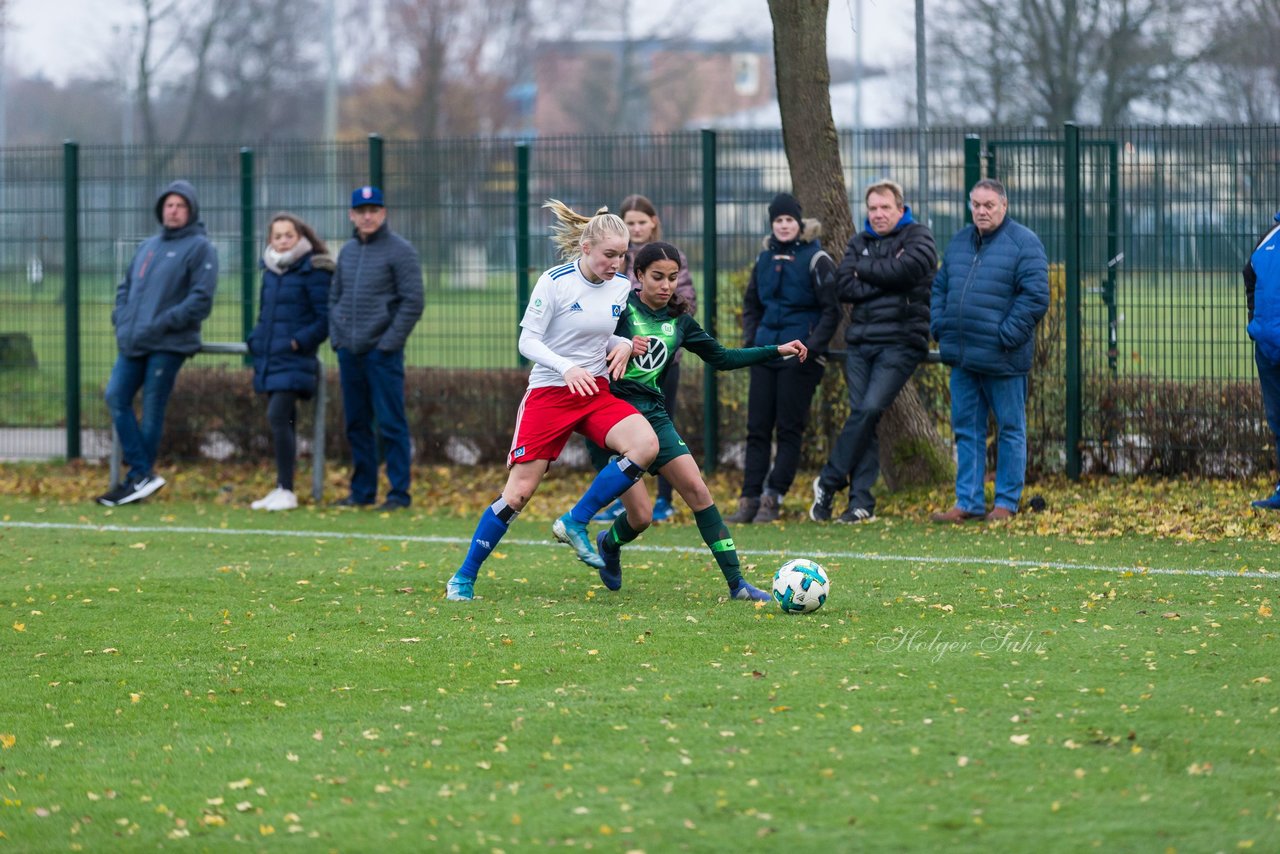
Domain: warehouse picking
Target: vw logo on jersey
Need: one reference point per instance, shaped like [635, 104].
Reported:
[654, 358]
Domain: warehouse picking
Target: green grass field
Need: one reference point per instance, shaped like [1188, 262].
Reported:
[188, 674]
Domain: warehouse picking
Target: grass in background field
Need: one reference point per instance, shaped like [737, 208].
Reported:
[312, 688]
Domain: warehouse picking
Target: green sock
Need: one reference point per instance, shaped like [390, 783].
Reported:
[620, 534]
[716, 536]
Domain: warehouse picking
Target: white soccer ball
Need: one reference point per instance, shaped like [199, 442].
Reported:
[800, 586]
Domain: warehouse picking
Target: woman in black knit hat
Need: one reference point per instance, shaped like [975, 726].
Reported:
[790, 296]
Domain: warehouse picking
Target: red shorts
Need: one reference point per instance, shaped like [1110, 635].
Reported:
[549, 416]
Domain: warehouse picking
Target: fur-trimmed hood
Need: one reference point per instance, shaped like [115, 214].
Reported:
[810, 230]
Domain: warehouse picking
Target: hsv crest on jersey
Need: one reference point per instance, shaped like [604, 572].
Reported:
[617, 311]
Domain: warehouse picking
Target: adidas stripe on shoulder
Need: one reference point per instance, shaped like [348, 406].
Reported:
[562, 270]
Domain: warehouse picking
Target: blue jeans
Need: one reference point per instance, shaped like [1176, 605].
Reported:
[1269, 379]
[373, 390]
[973, 396]
[155, 374]
[874, 374]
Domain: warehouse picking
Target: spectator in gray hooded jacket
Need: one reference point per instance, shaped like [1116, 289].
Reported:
[375, 300]
[164, 297]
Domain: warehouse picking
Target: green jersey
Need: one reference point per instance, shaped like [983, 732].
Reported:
[641, 385]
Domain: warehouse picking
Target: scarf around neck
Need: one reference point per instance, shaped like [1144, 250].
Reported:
[278, 262]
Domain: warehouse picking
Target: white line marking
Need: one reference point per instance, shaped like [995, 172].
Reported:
[460, 541]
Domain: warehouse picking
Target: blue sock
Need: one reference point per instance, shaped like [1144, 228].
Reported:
[494, 522]
[613, 480]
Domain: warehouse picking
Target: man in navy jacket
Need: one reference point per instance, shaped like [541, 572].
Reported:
[375, 300]
[988, 296]
[161, 302]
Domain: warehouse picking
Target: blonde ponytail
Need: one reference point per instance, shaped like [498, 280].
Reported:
[572, 229]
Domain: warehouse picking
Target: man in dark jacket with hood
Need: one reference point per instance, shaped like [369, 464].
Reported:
[375, 300]
[885, 275]
[990, 293]
[164, 297]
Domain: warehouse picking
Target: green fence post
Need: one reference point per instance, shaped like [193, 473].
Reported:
[1114, 255]
[972, 170]
[522, 235]
[375, 162]
[248, 247]
[71, 290]
[710, 384]
[1071, 212]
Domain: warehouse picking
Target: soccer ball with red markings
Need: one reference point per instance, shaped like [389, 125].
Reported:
[800, 586]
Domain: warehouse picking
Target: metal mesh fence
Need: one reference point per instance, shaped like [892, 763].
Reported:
[1167, 217]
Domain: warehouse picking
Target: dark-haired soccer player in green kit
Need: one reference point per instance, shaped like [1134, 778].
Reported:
[658, 324]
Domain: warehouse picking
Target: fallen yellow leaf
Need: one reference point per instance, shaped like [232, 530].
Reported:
[7, 740]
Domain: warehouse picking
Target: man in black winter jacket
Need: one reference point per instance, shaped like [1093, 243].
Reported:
[885, 276]
[375, 300]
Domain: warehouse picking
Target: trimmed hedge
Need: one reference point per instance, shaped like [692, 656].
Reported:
[1149, 426]
[214, 411]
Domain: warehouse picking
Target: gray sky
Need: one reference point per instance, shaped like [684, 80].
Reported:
[62, 38]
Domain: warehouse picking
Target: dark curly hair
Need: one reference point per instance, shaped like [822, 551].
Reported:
[660, 251]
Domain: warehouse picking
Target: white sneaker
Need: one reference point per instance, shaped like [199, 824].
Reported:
[141, 489]
[281, 499]
[261, 503]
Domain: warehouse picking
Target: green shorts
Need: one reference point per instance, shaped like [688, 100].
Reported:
[670, 445]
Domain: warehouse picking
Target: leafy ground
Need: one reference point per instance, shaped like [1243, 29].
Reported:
[186, 674]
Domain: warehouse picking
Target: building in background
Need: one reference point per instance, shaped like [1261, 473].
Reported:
[612, 86]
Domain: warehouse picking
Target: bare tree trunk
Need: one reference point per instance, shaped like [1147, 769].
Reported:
[808, 130]
[911, 452]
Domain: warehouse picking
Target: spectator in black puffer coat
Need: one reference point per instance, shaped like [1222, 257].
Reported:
[293, 322]
[886, 277]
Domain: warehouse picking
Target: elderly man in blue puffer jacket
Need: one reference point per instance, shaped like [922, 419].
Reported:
[988, 296]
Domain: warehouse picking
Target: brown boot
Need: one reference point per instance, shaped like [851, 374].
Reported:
[746, 512]
[770, 509]
[956, 516]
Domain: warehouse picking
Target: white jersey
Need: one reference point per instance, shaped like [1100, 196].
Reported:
[575, 318]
